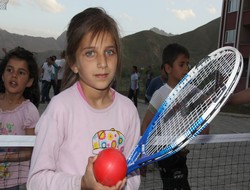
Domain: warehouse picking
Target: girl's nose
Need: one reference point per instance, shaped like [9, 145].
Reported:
[102, 62]
[14, 74]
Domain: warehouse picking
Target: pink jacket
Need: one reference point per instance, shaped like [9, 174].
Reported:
[69, 131]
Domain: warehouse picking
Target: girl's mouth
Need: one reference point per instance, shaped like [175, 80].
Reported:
[13, 83]
[101, 75]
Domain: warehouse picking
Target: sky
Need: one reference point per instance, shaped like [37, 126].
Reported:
[50, 18]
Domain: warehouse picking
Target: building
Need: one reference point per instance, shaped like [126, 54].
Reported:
[235, 31]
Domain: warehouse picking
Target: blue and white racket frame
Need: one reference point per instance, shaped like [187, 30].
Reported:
[139, 158]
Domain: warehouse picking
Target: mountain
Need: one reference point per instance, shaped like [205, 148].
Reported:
[142, 49]
[61, 40]
[201, 41]
[145, 48]
[161, 32]
[35, 44]
[41, 47]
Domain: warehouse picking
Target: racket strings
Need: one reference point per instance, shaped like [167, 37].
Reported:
[223, 73]
[164, 133]
[195, 99]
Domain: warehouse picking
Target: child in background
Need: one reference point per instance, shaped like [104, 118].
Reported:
[173, 170]
[156, 83]
[19, 99]
[88, 115]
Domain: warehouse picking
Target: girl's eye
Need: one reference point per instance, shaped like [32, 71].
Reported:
[9, 69]
[22, 73]
[90, 53]
[110, 52]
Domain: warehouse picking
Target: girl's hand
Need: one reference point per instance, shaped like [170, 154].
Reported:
[89, 182]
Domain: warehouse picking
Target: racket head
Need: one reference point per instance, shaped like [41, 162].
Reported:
[190, 107]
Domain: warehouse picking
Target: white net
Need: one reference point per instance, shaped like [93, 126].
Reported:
[15, 154]
[216, 161]
[3, 4]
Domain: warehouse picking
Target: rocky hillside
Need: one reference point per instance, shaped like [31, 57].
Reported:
[142, 49]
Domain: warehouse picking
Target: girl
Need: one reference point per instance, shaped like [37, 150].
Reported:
[88, 115]
[19, 99]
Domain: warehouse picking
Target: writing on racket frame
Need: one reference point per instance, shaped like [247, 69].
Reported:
[190, 106]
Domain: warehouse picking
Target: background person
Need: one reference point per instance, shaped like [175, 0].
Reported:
[19, 99]
[60, 71]
[173, 170]
[134, 85]
[46, 73]
[156, 83]
[149, 77]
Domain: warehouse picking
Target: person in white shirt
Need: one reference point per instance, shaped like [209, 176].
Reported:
[47, 70]
[173, 170]
[60, 70]
[134, 85]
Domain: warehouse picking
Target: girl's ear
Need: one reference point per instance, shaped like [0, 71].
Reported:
[74, 68]
[30, 82]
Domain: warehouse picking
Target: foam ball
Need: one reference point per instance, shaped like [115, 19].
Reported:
[110, 167]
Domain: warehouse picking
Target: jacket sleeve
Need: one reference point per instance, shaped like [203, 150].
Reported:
[43, 174]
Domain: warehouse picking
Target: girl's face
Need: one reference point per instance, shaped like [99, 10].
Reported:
[96, 61]
[16, 76]
[178, 70]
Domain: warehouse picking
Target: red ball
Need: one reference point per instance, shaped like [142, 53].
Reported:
[110, 167]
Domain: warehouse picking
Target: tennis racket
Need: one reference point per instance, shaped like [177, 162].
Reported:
[189, 108]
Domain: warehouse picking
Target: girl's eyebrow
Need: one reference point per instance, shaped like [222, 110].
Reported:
[88, 47]
[10, 66]
[22, 69]
[111, 46]
[94, 47]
